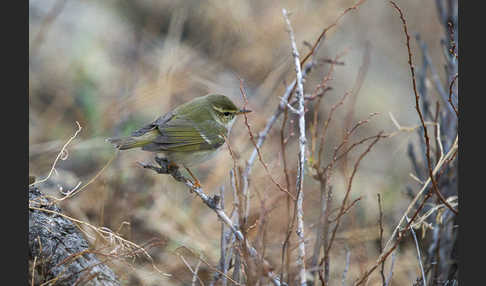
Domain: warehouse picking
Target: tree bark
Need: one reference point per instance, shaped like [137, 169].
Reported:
[59, 251]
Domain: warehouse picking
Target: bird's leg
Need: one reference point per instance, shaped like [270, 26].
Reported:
[168, 167]
[166, 164]
[163, 162]
[196, 181]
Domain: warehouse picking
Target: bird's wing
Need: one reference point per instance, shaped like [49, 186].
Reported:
[153, 125]
[182, 135]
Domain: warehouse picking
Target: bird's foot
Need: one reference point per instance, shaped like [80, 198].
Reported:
[196, 183]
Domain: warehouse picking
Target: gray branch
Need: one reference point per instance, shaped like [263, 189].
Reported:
[302, 144]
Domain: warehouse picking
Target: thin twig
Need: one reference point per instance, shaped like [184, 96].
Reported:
[326, 126]
[252, 139]
[380, 224]
[329, 241]
[325, 230]
[442, 161]
[235, 218]
[194, 272]
[290, 221]
[302, 157]
[76, 191]
[222, 259]
[323, 33]
[271, 121]
[195, 276]
[435, 76]
[320, 235]
[33, 270]
[346, 265]
[363, 70]
[383, 256]
[323, 86]
[348, 191]
[424, 280]
[452, 49]
[62, 155]
[211, 202]
[201, 259]
[346, 138]
[245, 175]
[390, 274]
[417, 107]
[346, 210]
[439, 149]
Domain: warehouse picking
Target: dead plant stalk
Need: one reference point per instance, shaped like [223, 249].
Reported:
[302, 144]
[417, 107]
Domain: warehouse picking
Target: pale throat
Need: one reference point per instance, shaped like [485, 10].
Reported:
[227, 125]
[230, 124]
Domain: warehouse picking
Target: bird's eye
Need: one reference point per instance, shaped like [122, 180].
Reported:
[226, 113]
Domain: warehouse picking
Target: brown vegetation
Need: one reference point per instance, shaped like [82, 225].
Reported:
[321, 184]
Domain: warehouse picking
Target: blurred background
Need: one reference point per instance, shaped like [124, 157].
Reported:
[113, 66]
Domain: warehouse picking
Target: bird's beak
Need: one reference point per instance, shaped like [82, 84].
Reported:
[243, 111]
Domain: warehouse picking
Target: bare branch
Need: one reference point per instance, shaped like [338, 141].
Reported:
[442, 161]
[388, 279]
[334, 24]
[302, 145]
[211, 202]
[260, 157]
[399, 235]
[380, 224]
[417, 106]
[424, 280]
[346, 265]
[348, 191]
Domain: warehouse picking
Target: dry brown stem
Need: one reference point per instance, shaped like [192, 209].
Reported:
[334, 24]
[399, 234]
[348, 190]
[417, 107]
[260, 157]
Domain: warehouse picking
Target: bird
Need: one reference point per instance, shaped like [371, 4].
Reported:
[189, 134]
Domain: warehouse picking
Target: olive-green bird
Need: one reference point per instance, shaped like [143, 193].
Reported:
[188, 135]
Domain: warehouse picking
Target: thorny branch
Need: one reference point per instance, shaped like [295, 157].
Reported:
[399, 235]
[417, 106]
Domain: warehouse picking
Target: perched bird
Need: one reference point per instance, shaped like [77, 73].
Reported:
[188, 135]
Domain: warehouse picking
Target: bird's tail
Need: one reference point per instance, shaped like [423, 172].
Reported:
[132, 142]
